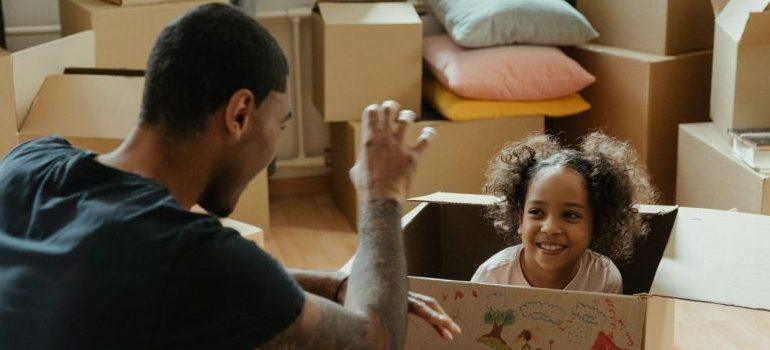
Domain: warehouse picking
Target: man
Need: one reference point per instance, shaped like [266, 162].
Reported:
[101, 251]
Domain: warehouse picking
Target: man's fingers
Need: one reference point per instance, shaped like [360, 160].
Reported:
[433, 304]
[405, 117]
[431, 314]
[369, 121]
[426, 137]
[389, 110]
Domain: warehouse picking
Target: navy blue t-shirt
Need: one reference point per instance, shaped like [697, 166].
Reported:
[94, 257]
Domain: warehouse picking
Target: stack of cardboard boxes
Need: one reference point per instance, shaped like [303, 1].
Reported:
[708, 174]
[366, 53]
[652, 63]
[94, 111]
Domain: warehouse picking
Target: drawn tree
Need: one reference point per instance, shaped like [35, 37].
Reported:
[498, 319]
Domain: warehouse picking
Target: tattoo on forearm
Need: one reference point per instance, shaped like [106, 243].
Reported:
[376, 295]
[378, 282]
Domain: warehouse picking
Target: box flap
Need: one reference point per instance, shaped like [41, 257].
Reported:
[457, 198]
[369, 13]
[647, 209]
[95, 106]
[734, 18]
[757, 30]
[717, 256]
[32, 65]
[718, 6]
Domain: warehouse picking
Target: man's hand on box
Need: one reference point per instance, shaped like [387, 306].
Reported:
[424, 307]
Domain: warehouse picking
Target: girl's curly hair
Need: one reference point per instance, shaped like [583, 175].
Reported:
[615, 183]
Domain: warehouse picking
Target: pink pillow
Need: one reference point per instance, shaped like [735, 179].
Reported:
[512, 73]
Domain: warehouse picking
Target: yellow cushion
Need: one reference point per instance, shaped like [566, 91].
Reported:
[457, 108]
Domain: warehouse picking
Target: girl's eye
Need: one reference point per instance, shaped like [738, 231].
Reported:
[535, 212]
[572, 215]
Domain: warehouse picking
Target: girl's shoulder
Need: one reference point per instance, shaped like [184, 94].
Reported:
[595, 263]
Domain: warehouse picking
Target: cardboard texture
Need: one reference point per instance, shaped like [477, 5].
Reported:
[7, 106]
[365, 53]
[124, 34]
[663, 27]
[740, 90]
[455, 161]
[24, 71]
[446, 239]
[641, 98]
[710, 176]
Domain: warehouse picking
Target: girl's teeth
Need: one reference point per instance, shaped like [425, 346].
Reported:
[551, 247]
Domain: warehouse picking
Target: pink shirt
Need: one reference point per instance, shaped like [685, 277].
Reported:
[596, 272]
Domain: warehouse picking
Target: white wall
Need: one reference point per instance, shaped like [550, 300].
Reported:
[26, 13]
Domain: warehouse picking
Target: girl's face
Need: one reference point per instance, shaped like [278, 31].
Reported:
[557, 220]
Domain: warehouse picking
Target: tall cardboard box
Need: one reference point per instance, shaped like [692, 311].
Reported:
[124, 34]
[365, 53]
[446, 238]
[641, 98]
[93, 112]
[663, 27]
[710, 176]
[740, 90]
[455, 161]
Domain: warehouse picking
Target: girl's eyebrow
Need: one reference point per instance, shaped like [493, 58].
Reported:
[572, 204]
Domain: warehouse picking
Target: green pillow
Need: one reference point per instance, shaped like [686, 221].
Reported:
[481, 23]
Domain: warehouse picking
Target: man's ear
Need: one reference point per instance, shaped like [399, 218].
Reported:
[238, 111]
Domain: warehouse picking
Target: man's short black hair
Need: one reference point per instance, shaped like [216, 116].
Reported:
[201, 59]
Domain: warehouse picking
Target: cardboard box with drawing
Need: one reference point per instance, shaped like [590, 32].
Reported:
[686, 256]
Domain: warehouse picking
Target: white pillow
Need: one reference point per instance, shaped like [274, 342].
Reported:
[481, 23]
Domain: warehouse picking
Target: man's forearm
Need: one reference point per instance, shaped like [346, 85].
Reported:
[378, 282]
[322, 283]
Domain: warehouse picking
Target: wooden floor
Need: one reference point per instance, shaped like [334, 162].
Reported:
[309, 232]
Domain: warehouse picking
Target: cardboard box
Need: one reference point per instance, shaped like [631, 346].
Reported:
[455, 161]
[124, 35]
[710, 176]
[93, 112]
[446, 239]
[740, 90]
[641, 98]
[663, 27]
[7, 111]
[365, 53]
[23, 72]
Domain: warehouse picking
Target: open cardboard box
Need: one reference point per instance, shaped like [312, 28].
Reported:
[740, 87]
[714, 257]
[93, 112]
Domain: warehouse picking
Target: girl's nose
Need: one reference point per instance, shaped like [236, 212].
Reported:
[550, 226]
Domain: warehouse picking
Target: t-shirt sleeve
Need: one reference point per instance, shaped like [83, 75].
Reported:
[614, 281]
[225, 292]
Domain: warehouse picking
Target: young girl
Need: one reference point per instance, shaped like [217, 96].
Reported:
[567, 211]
